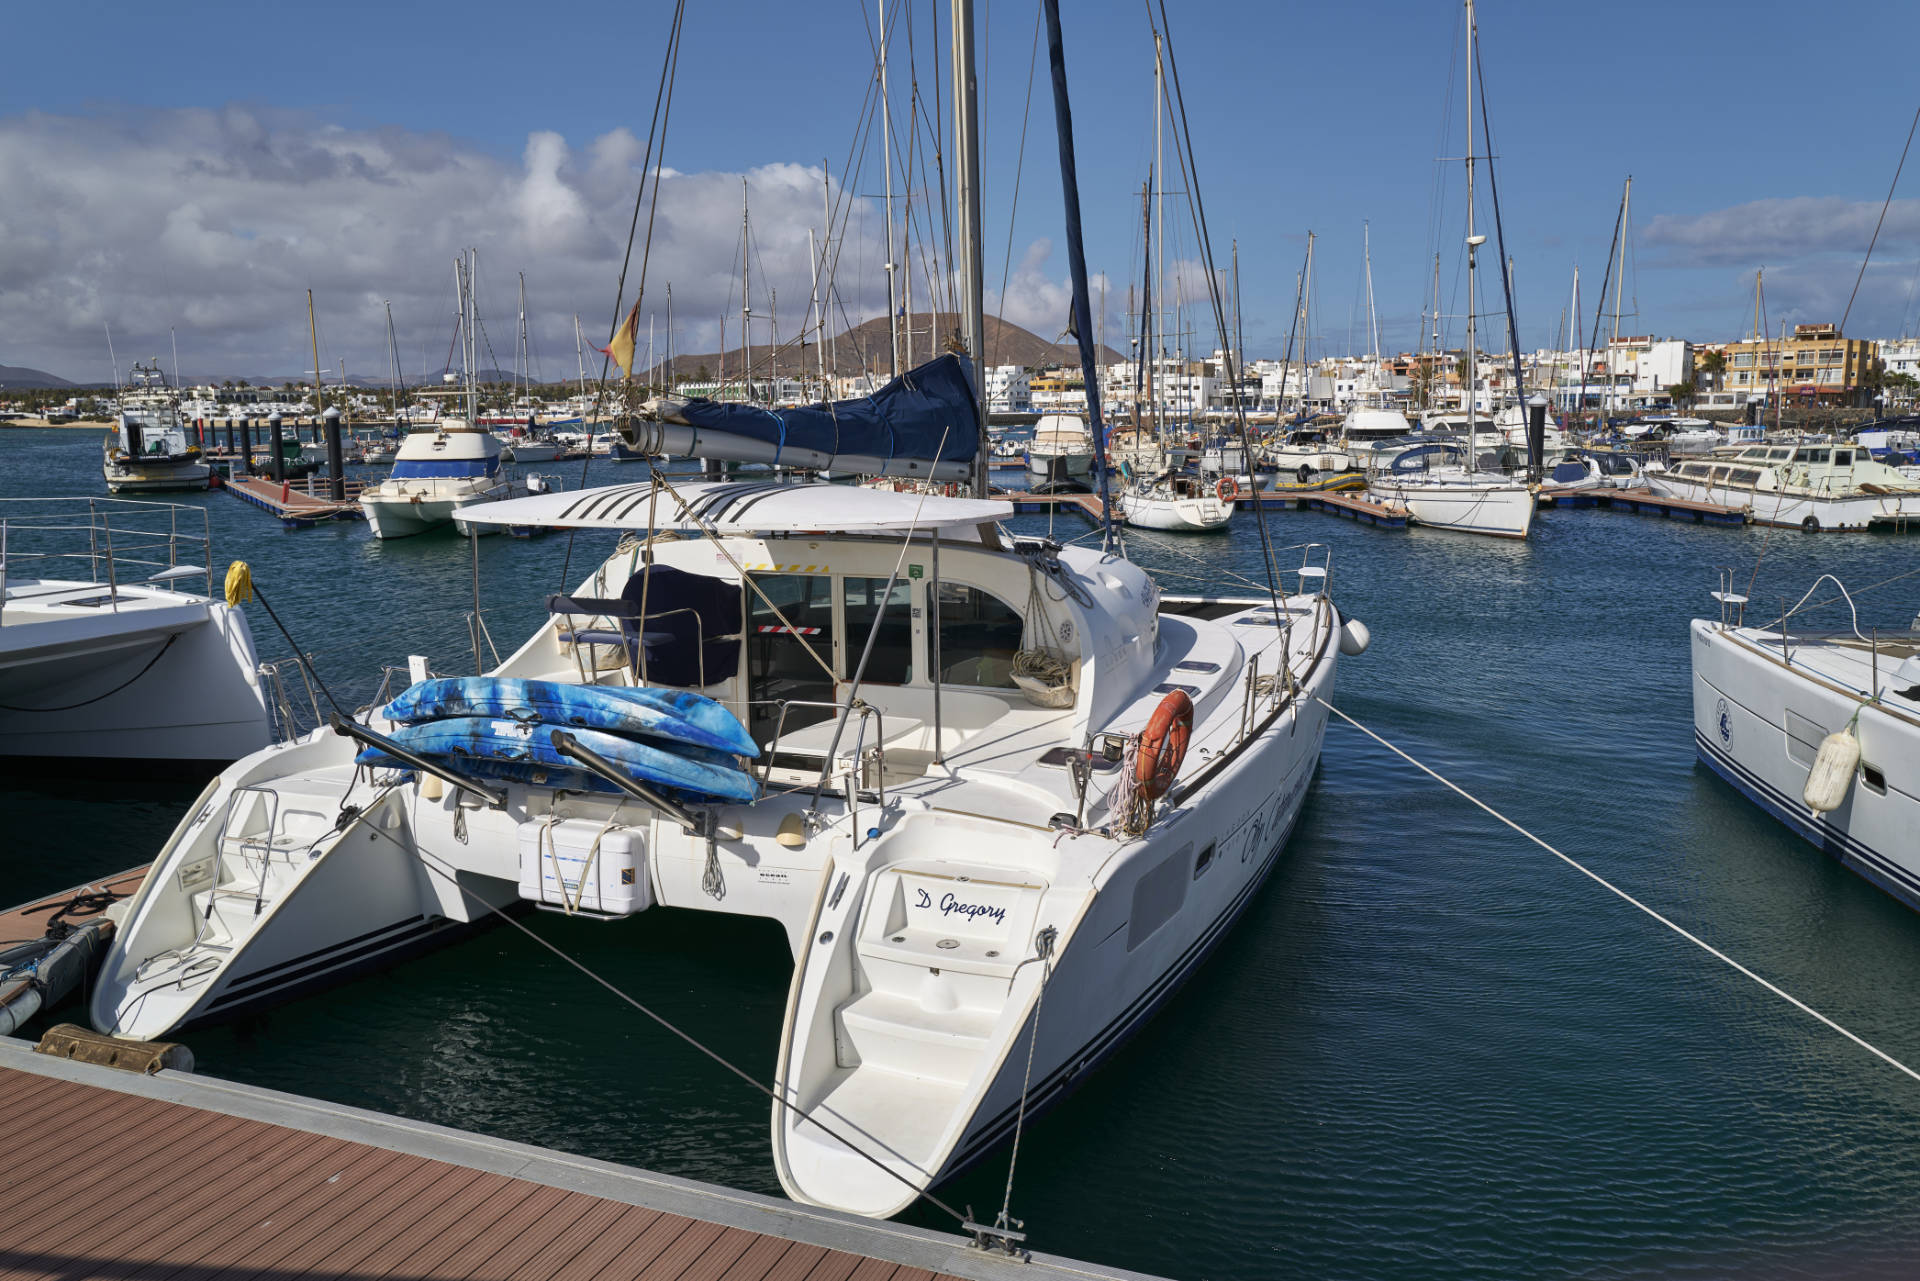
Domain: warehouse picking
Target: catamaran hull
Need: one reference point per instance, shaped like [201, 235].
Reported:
[176, 686]
[1165, 901]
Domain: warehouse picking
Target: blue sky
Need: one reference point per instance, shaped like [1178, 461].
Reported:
[1757, 134]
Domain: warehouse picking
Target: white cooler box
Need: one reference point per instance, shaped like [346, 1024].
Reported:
[554, 857]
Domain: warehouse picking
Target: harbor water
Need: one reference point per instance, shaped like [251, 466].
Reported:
[1429, 1049]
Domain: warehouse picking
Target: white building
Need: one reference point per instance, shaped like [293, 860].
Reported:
[1009, 390]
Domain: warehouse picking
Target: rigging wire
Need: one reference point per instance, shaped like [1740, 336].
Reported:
[1190, 172]
[432, 863]
[1615, 890]
[1885, 205]
[662, 111]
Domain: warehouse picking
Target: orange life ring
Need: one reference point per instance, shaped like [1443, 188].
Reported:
[1229, 491]
[1163, 745]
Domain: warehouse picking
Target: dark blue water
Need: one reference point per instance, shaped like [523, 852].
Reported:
[1429, 1049]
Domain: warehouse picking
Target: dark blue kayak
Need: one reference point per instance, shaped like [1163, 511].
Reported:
[655, 713]
[524, 751]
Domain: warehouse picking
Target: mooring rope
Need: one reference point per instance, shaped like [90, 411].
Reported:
[1615, 890]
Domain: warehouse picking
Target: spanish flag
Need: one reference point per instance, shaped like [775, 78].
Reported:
[621, 348]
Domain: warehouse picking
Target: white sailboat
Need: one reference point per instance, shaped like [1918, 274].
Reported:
[1460, 496]
[1174, 501]
[1821, 729]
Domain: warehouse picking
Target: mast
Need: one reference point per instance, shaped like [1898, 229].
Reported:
[1142, 380]
[886, 155]
[1574, 333]
[522, 375]
[1306, 329]
[1626, 204]
[1373, 317]
[813, 315]
[313, 333]
[1473, 243]
[1158, 347]
[580, 360]
[966, 141]
[746, 311]
[671, 383]
[393, 367]
[175, 339]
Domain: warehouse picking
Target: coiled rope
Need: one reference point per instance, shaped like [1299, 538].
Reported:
[1615, 890]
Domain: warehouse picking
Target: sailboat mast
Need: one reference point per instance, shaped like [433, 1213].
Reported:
[1306, 328]
[746, 311]
[313, 333]
[966, 141]
[175, 339]
[1373, 317]
[523, 376]
[1158, 349]
[580, 355]
[1473, 243]
[1626, 204]
[886, 156]
[1574, 333]
[393, 367]
[670, 365]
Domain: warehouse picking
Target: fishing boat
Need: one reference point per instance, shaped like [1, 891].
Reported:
[148, 450]
[1819, 728]
[124, 663]
[1810, 487]
[1176, 501]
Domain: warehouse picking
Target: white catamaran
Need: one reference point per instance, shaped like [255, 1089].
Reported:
[964, 772]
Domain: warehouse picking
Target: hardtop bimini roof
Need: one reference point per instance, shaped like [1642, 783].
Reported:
[738, 507]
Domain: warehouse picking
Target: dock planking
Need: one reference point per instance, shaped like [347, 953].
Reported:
[212, 1179]
[298, 504]
[1642, 502]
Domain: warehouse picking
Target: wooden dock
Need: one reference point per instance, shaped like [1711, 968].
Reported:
[29, 920]
[1641, 502]
[111, 1174]
[298, 504]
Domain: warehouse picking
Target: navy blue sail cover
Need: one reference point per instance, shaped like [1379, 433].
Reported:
[926, 413]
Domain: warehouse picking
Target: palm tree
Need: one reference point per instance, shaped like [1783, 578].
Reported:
[1714, 365]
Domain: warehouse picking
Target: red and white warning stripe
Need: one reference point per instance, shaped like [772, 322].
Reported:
[775, 629]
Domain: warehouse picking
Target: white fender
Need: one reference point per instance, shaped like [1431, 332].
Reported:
[1354, 637]
[1832, 772]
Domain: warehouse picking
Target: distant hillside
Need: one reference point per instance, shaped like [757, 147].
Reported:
[18, 377]
[864, 349]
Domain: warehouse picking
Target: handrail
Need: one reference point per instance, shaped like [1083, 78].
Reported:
[414, 760]
[569, 746]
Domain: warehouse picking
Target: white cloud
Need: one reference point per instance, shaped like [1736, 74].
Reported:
[216, 222]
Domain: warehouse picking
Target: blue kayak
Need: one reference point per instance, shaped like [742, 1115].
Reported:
[655, 713]
[524, 751]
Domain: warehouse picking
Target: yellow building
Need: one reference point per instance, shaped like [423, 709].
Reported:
[1815, 366]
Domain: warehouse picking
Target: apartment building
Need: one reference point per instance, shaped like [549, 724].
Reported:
[1816, 365]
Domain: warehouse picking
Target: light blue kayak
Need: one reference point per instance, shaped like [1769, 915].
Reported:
[524, 752]
[655, 713]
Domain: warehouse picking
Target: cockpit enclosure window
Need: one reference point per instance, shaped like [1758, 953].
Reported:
[779, 665]
[1811, 455]
[891, 662]
[979, 635]
[1843, 458]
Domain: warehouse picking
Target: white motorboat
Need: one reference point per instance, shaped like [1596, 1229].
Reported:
[1365, 430]
[148, 451]
[1061, 449]
[440, 473]
[1587, 470]
[1175, 501]
[954, 815]
[103, 650]
[1813, 487]
[1821, 729]
[1305, 453]
[435, 475]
